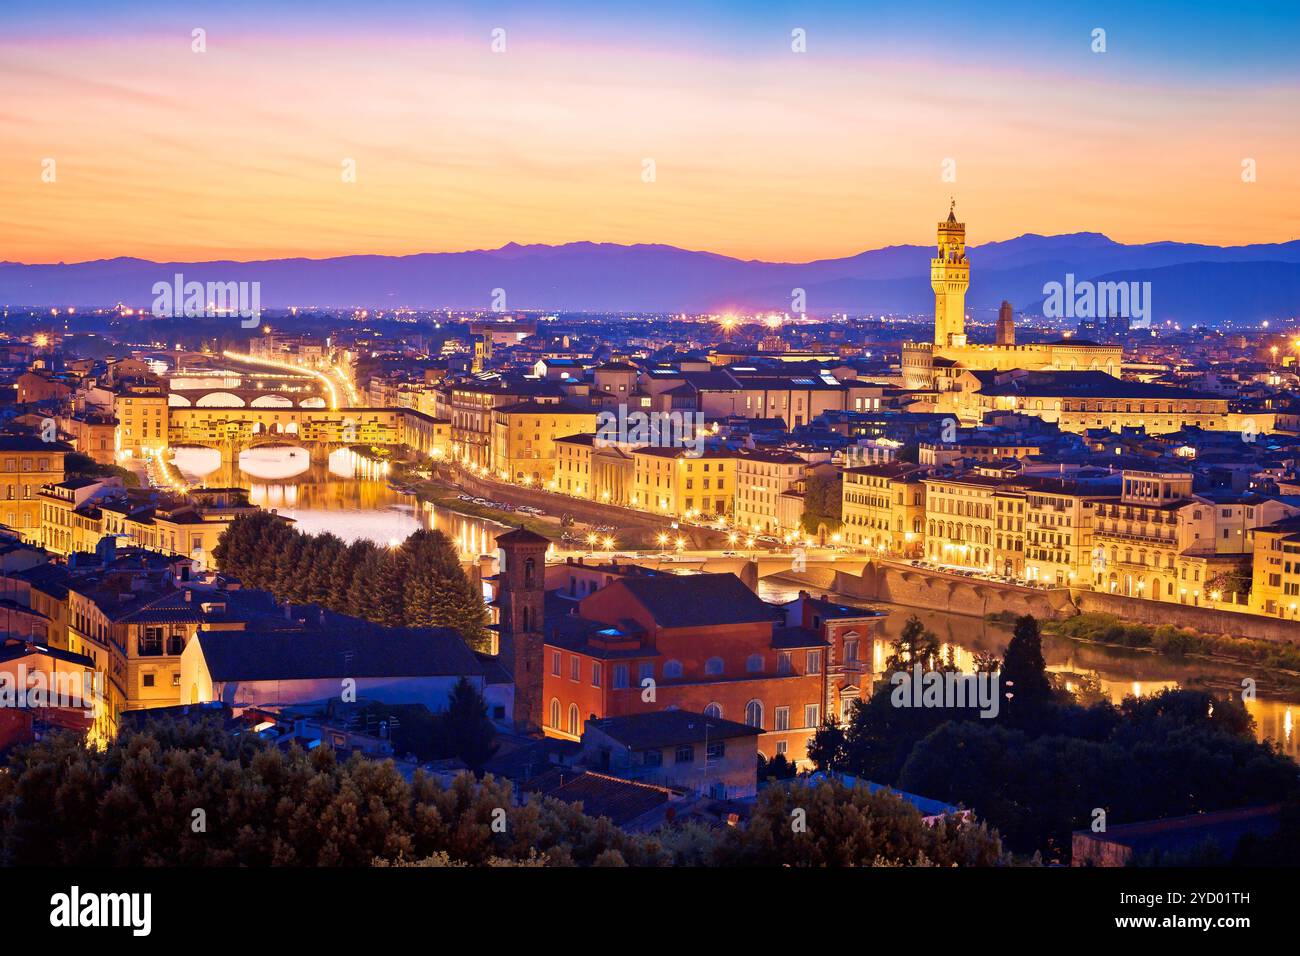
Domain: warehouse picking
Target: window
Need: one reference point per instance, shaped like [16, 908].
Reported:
[645, 671]
[781, 719]
[754, 664]
[151, 641]
[714, 710]
[555, 712]
[573, 719]
[811, 715]
[717, 750]
[556, 663]
[575, 668]
[620, 676]
[652, 758]
[673, 669]
[851, 651]
[754, 713]
[814, 662]
[595, 673]
[685, 755]
[782, 748]
[147, 680]
[713, 666]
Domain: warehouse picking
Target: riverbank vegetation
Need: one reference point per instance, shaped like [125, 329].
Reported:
[417, 583]
[1168, 639]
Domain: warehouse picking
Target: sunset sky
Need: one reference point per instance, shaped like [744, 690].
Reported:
[164, 153]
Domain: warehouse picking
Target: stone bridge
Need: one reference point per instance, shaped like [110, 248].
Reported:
[897, 582]
[243, 398]
[231, 429]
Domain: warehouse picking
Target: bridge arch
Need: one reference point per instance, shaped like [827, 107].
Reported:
[220, 400]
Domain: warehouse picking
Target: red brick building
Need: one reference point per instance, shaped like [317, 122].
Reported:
[698, 642]
[850, 634]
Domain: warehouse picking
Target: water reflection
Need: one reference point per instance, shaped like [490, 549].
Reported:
[1116, 672]
[320, 500]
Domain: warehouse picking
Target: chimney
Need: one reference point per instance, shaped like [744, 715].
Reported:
[189, 596]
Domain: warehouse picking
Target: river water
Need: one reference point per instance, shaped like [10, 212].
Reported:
[1119, 672]
[321, 499]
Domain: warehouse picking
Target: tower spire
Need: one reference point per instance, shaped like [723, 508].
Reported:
[950, 277]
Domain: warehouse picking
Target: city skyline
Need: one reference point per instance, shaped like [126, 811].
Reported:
[239, 152]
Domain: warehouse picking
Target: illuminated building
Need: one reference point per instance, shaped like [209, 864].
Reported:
[25, 465]
[761, 479]
[524, 437]
[883, 508]
[937, 366]
[706, 643]
[679, 483]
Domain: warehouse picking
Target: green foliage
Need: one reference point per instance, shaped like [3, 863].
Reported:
[420, 584]
[1037, 772]
[134, 803]
[1168, 639]
[1024, 672]
[914, 644]
[1171, 761]
[78, 465]
[468, 731]
[778, 768]
[828, 824]
[823, 502]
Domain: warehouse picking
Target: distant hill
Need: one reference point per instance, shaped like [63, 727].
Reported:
[1190, 282]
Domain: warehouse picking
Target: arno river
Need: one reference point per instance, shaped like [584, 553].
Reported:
[321, 500]
[1119, 672]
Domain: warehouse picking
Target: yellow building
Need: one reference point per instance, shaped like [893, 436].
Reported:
[1058, 532]
[1009, 506]
[1077, 401]
[76, 514]
[524, 438]
[594, 470]
[25, 465]
[679, 483]
[761, 479]
[883, 508]
[142, 421]
[936, 366]
[1156, 541]
[1275, 573]
[573, 475]
[960, 520]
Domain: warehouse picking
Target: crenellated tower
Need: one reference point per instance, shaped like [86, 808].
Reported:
[950, 278]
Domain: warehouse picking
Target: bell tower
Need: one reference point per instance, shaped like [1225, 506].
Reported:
[521, 601]
[950, 278]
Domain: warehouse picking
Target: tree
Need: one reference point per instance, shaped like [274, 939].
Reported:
[827, 749]
[914, 644]
[469, 734]
[1024, 672]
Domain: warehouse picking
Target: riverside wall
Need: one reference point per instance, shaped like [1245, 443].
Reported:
[898, 583]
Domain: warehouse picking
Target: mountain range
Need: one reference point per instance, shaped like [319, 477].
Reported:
[1190, 283]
